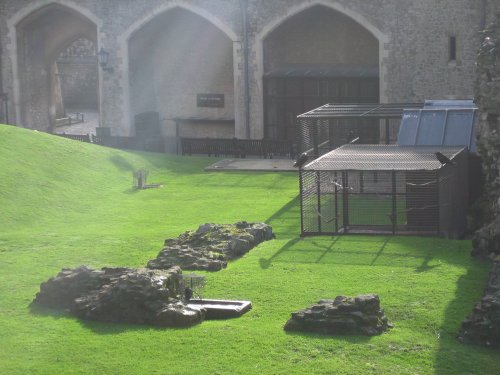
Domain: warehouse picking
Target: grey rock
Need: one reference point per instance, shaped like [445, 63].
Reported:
[482, 327]
[140, 296]
[211, 246]
[341, 316]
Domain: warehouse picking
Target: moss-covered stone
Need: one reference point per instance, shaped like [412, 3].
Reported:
[211, 246]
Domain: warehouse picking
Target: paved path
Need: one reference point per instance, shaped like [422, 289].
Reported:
[87, 127]
[271, 165]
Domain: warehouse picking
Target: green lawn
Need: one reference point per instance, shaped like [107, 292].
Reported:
[65, 203]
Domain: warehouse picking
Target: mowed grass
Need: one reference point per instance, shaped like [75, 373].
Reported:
[65, 203]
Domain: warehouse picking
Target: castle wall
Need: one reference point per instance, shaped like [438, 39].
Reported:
[413, 52]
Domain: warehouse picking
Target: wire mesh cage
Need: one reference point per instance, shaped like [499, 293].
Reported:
[385, 189]
[333, 125]
[192, 285]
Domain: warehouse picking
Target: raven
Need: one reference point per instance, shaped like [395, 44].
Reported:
[301, 160]
[443, 159]
[188, 294]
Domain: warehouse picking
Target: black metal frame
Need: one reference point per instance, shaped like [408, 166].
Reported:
[336, 124]
[430, 201]
[304, 102]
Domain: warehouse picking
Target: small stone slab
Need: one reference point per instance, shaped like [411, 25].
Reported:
[221, 309]
[343, 315]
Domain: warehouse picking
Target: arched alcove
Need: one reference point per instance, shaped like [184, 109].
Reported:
[317, 55]
[173, 59]
[41, 36]
[78, 76]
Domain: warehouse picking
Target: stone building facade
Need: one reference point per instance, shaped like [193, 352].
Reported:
[260, 61]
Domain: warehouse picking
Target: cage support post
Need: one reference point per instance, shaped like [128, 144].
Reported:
[315, 139]
[394, 202]
[345, 201]
[438, 228]
[318, 192]
[387, 132]
[336, 209]
[330, 134]
[301, 202]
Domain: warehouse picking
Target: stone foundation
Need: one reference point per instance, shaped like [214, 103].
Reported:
[126, 295]
[359, 315]
[211, 246]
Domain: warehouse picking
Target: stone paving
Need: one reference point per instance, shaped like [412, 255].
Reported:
[271, 165]
[91, 121]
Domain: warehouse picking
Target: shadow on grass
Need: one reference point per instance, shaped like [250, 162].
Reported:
[285, 210]
[39, 310]
[102, 328]
[112, 328]
[452, 356]
[265, 263]
[121, 163]
[358, 250]
[354, 339]
[131, 190]
[286, 220]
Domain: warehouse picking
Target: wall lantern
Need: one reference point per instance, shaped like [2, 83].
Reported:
[102, 58]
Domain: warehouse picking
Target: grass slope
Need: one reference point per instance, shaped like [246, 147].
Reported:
[64, 203]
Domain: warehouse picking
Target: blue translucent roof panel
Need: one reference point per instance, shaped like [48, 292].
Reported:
[431, 128]
[438, 126]
[458, 128]
[461, 103]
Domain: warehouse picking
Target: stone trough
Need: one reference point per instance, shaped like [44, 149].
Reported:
[220, 309]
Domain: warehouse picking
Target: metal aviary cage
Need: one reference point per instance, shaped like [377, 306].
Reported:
[333, 125]
[385, 189]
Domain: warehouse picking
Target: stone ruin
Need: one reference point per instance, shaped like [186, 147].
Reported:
[126, 295]
[211, 246]
[486, 241]
[152, 295]
[359, 315]
[483, 326]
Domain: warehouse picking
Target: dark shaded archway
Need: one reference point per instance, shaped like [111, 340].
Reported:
[41, 37]
[314, 57]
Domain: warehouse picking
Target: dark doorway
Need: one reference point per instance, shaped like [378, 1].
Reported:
[315, 57]
[285, 98]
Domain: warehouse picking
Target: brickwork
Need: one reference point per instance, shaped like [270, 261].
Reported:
[413, 54]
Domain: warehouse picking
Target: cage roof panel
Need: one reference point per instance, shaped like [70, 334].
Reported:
[439, 126]
[372, 110]
[383, 158]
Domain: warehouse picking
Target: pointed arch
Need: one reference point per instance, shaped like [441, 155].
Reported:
[382, 38]
[137, 25]
[359, 18]
[150, 16]
[23, 14]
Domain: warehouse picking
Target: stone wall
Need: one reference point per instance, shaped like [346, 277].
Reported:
[487, 96]
[413, 54]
